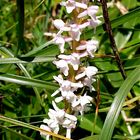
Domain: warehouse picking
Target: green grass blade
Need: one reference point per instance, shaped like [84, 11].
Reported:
[27, 125]
[133, 42]
[86, 122]
[117, 137]
[28, 81]
[19, 135]
[94, 137]
[34, 51]
[26, 60]
[117, 104]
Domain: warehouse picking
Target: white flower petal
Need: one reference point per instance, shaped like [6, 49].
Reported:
[65, 29]
[66, 57]
[45, 120]
[78, 85]
[60, 114]
[58, 23]
[68, 39]
[71, 117]
[63, 66]
[63, 3]
[92, 10]
[81, 47]
[58, 78]
[55, 93]
[90, 71]
[45, 127]
[70, 97]
[68, 133]
[81, 5]
[76, 35]
[66, 122]
[94, 22]
[51, 113]
[70, 5]
[61, 42]
[84, 13]
[84, 25]
[75, 32]
[59, 99]
[85, 100]
[55, 106]
[56, 130]
[90, 47]
[81, 75]
[75, 103]
[70, 9]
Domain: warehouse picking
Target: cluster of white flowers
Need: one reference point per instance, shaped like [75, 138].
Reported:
[74, 75]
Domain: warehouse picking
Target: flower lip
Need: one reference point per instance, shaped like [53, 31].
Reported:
[81, 103]
[72, 4]
[89, 47]
[63, 65]
[90, 71]
[73, 59]
[90, 11]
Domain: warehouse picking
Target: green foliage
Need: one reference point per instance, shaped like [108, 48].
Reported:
[26, 71]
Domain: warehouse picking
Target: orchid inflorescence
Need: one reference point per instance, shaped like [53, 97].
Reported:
[73, 74]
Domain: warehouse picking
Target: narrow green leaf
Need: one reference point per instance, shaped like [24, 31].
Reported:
[94, 137]
[127, 137]
[26, 60]
[34, 51]
[86, 122]
[27, 125]
[24, 137]
[133, 42]
[117, 104]
[27, 81]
